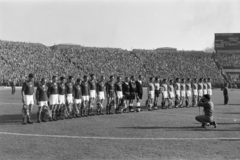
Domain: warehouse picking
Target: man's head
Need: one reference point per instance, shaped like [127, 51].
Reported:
[140, 77]
[102, 78]
[206, 98]
[78, 81]
[151, 79]
[70, 78]
[127, 79]
[188, 80]
[209, 79]
[177, 79]
[93, 77]
[54, 79]
[111, 78]
[43, 81]
[62, 79]
[31, 77]
[171, 81]
[119, 79]
[156, 79]
[183, 80]
[85, 78]
[132, 78]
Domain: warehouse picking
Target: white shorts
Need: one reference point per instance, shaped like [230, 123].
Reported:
[200, 93]
[171, 95]
[43, 103]
[77, 101]
[28, 99]
[53, 100]
[85, 98]
[119, 94]
[69, 98]
[92, 93]
[101, 95]
[183, 93]
[204, 91]
[209, 91]
[178, 93]
[151, 94]
[189, 94]
[195, 92]
[165, 94]
[62, 99]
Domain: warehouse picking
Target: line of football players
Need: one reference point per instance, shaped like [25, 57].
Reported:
[68, 99]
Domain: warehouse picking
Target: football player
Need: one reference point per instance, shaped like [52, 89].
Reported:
[133, 91]
[85, 96]
[100, 94]
[171, 94]
[164, 86]
[151, 94]
[62, 102]
[119, 95]
[27, 99]
[157, 92]
[195, 92]
[69, 91]
[77, 95]
[177, 93]
[126, 93]
[110, 94]
[139, 89]
[92, 87]
[42, 99]
[53, 97]
[188, 92]
[183, 92]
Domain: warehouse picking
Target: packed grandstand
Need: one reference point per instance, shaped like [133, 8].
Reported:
[18, 59]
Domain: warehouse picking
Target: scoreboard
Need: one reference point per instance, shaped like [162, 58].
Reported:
[227, 41]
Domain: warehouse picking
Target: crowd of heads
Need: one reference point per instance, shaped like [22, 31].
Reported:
[17, 59]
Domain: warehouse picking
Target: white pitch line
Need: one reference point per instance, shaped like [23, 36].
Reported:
[12, 103]
[115, 138]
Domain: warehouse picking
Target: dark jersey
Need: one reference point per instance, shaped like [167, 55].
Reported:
[92, 85]
[110, 87]
[118, 86]
[61, 89]
[69, 87]
[133, 87]
[77, 92]
[53, 88]
[85, 88]
[125, 88]
[100, 87]
[28, 88]
[41, 93]
[139, 87]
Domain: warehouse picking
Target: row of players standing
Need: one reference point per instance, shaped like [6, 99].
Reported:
[179, 92]
[68, 99]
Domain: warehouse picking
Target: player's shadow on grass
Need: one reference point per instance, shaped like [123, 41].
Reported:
[185, 128]
[13, 119]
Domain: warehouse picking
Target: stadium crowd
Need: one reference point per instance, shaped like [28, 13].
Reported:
[227, 59]
[20, 58]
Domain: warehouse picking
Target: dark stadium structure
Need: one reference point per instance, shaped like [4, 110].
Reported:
[18, 59]
[227, 57]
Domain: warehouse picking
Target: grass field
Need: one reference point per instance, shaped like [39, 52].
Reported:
[163, 134]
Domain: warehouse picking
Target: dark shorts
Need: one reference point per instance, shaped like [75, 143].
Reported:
[111, 94]
[127, 96]
[132, 95]
[157, 93]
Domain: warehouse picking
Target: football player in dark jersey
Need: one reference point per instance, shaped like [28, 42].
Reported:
[27, 99]
[92, 93]
[100, 95]
[139, 89]
[126, 94]
[42, 98]
[61, 108]
[77, 94]
[119, 95]
[110, 88]
[85, 96]
[133, 91]
[53, 97]
[69, 95]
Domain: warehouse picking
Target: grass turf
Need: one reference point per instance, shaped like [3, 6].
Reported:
[98, 137]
